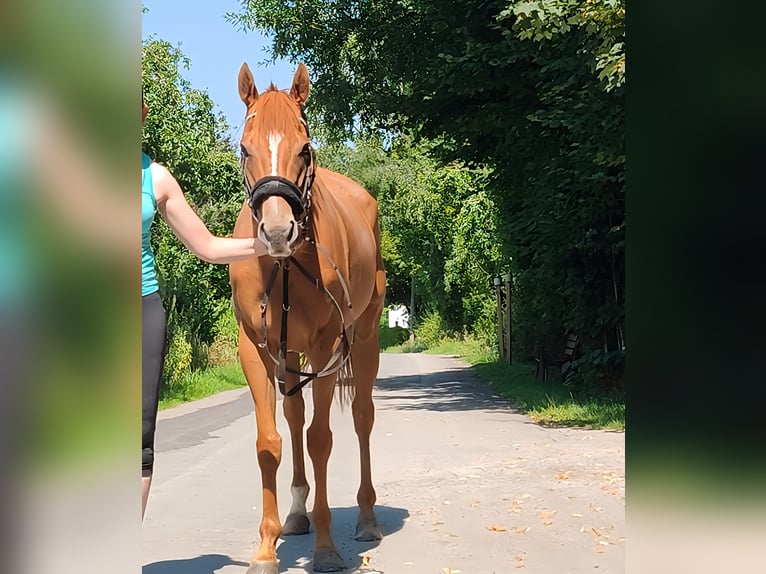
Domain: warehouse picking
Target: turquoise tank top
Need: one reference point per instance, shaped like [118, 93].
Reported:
[149, 282]
[14, 255]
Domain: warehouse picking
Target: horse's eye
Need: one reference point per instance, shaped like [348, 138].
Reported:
[243, 149]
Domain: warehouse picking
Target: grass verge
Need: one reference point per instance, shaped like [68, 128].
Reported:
[550, 402]
[546, 402]
[200, 384]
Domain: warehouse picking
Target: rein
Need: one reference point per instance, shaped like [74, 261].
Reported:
[342, 353]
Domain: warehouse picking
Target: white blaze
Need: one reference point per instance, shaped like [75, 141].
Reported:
[274, 139]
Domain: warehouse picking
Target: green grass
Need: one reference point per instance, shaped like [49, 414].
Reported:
[550, 402]
[405, 347]
[546, 402]
[199, 384]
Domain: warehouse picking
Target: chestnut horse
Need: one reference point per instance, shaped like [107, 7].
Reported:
[307, 312]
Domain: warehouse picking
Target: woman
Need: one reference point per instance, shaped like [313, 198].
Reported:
[160, 192]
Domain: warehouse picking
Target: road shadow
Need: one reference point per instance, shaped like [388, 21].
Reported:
[205, 564]
[296, 552]
[196, 427]
[453, 388]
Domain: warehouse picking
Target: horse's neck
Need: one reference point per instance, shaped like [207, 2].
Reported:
[330, 216]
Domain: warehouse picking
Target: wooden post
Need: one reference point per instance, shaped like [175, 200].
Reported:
[508, 287]
[412, 309]
[499, 294]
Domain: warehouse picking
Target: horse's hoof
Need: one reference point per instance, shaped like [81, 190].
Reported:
[328, 561]
[295, 524]
[368, 531]
[263, 568]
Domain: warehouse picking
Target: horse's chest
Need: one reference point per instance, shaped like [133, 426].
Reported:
[309, 309]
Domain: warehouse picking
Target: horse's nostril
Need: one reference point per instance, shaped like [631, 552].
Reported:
[262, 232]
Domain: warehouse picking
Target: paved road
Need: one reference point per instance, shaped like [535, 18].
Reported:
[465, 484]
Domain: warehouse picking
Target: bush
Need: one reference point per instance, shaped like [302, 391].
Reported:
[224, 349]
[178, 359]
[597, 371]
[412, 347]
[485, 327]
[431, 329]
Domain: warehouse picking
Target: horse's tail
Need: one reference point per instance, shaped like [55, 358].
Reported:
[345, 381]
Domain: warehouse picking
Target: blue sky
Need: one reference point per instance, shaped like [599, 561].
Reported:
[216, 50]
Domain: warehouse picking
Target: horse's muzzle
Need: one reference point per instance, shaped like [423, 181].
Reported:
[280, 238]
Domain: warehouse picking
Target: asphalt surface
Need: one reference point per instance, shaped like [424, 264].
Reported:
[465, 484]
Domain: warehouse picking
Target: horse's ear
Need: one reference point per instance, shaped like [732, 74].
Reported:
[300, 88]
[247, 90]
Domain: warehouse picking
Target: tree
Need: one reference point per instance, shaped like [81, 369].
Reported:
[438, 227]
[533, 90]
[183, 133]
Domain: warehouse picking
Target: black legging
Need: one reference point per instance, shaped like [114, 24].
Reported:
[153, 348]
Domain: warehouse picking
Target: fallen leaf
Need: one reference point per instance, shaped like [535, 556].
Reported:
[544, 515]
[577, 515]
[522, 529]
[596, 532]
[547, 523]
[621, 539]
[494, 528]
[603, 542]
[366, 560]
[563, 476]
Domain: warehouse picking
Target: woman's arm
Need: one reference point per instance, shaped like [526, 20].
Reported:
[191, 230]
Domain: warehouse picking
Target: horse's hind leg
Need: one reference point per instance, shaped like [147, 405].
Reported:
[297, 521]
[366, 360]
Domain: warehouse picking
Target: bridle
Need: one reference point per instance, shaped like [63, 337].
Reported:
[298, 196]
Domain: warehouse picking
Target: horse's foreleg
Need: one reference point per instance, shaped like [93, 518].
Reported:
[319, 442]
[297, 521]
[365, 359]
[269, 449]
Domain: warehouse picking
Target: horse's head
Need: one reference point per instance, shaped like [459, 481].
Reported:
[277, 160]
